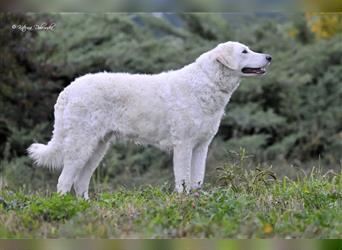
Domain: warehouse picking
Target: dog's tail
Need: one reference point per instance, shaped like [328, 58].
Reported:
[51, 155]
[46, 155]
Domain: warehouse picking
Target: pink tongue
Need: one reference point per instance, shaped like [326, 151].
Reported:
[254, 71]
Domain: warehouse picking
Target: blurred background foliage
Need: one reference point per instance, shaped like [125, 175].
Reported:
[291, 115]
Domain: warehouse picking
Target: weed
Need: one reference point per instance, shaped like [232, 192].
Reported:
[237, 176]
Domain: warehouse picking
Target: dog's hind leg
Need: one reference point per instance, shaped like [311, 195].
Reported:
[76, 156]
[81, 183]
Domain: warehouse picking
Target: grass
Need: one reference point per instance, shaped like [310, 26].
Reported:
[243, 204]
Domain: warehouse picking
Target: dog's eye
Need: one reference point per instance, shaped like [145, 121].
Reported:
[245, 51]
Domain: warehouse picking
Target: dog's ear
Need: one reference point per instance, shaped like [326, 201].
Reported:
[225, 56]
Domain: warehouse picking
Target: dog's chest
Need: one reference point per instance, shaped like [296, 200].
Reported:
[194, 124]
[207, 125]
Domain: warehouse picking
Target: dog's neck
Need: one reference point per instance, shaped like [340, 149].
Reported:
[214, 89]
[223, 77]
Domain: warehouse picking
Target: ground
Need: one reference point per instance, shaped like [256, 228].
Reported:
[252, 204]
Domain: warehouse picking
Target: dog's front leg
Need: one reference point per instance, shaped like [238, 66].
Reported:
[182, 154]
[199, 157]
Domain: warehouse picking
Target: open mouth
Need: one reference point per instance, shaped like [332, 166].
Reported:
[257, 71]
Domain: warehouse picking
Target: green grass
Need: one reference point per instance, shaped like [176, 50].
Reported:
[243, 204]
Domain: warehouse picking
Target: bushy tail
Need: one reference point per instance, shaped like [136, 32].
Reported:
[51, 155]
[46, 155]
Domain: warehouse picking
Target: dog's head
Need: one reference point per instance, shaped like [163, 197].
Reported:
[240, 59]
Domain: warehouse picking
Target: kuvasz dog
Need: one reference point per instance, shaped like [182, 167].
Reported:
[177, 110]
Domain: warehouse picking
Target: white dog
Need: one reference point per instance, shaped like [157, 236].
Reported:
[176, 110]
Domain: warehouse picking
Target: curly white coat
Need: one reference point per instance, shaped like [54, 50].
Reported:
[177, 110]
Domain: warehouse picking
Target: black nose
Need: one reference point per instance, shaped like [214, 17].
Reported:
[268, 58]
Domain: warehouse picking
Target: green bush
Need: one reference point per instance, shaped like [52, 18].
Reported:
[293, 113]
